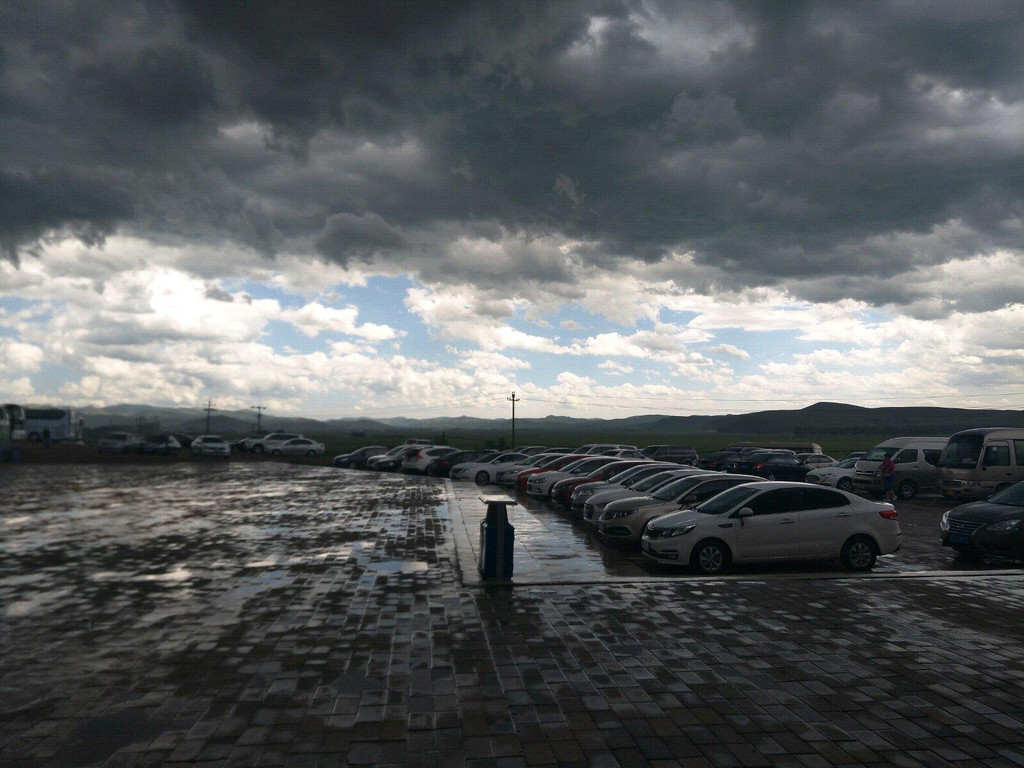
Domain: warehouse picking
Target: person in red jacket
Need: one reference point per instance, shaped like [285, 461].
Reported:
[888, 470]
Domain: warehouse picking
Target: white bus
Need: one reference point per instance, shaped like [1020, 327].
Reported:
[62, 423]
[16, 419]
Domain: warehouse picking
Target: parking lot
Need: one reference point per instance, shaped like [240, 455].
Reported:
[269, 614]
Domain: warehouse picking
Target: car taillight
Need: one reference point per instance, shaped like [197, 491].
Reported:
[889, 514]
[759, 466]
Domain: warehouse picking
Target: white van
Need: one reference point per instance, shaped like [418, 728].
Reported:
[979, 462]
[916, 470]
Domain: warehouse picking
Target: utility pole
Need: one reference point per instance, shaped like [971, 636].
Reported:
[209, 409]
[513, 400]
[259, 414]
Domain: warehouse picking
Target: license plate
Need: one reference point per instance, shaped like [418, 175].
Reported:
[959, 538]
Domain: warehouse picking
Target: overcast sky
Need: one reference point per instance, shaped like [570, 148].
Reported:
[356, 208]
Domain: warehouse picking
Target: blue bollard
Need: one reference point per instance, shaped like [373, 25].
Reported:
[497, 539]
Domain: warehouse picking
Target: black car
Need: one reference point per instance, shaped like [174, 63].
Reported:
[991, 527]
[357, 459]
[441, 466]
[677, 454]
[719, 461]
[773, 465]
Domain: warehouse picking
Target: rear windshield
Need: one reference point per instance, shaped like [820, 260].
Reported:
[673, 489]
[654, 481]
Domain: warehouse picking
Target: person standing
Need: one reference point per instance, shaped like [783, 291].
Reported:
[46, 437]
[888, 470]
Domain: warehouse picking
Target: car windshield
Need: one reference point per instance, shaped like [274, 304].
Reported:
[589, 465]
[213, 440]
[726, 500]
[877, 454]
[633, 474]
[395, 451]
[682, 485]
[653, 481]
[845, 464]
[962, 451]
[1012, 496]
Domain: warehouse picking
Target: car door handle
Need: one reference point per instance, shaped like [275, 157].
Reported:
[786, 522]
[725, 525]
[843, 514]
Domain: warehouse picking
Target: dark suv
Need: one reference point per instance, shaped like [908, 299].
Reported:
[991, 527]
[677, 454]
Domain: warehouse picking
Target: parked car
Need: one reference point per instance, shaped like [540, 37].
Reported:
[541, 485]
[775, 521]
[390, 462]
[561, 491]
[816, 460]
[840, 475]
[373, 461]
[420, 441]
[720, 461]
[467, 469]
[185, 441]
[991, 527]
[417, 463]
[623, 453]
[522, 478]
[299, 446]
[916, 460]
[357, 459]
[165, 445]
[264, 444]
[773, 465]
[210, 445]
[530, 450]
[507, 476]
[624, 479]
[484, 473]
[120, 442]
[441, 466]
[628, 519]
[595, 505]
[677, 454]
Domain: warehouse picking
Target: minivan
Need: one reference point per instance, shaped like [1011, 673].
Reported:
[979, 462]
[915, 459]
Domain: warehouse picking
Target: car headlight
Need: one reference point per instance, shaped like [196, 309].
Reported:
[827, 474]
[1003, 526]
[682, 530]
[620, 513]
[944, 523]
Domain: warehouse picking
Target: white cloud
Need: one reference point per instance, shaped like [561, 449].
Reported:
[315, 318]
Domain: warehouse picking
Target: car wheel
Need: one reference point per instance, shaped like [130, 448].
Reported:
[770, 476]
[859, 553]
[482, 478]
[907, 489]
[275, 452]
[710, 557]
[845, 484]
[311, 453]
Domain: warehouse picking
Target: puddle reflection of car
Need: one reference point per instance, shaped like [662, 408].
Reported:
[992, 527]
[299, 446]
[768, 521]
[210, 445]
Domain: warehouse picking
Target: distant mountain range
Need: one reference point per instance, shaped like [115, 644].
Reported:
[820, 419]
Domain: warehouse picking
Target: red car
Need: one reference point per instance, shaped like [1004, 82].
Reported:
[558, 463]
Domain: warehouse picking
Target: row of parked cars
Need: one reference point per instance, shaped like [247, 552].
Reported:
[174, 444]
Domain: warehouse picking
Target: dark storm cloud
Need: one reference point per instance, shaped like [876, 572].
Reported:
[771, 140]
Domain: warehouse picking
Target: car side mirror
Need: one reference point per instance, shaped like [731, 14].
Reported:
[744, 512]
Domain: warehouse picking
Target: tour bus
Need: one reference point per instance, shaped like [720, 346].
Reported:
[979, 462]
[62, 423]
[15, 419]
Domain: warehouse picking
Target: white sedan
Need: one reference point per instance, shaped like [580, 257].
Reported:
[299, 446]
[483, 472]
[210, 445]
[775, 521]
[540, 485]
[839, 475]
[507, 476]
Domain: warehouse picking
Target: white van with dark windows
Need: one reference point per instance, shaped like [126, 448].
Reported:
[916, 470]
[979, 462]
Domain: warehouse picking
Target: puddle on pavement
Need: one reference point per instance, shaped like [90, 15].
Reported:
[398, 566]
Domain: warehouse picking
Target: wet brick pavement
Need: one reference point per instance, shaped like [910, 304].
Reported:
[267, 615]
